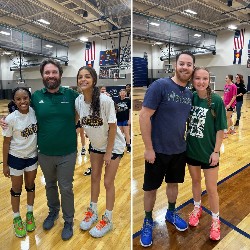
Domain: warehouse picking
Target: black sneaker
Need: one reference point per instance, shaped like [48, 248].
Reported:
[67, 231]
[237, 123]
[83, 152]
[49, 221]
[128, 149]
[88, 171]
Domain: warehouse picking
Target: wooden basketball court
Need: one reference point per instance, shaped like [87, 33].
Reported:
[119, 238]
[233, 188]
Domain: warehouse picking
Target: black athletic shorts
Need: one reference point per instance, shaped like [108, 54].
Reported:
[230, 109]
[172, 167]
[113, 157]
[203, 165]
[78, 125]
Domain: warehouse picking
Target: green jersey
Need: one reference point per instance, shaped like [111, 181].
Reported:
[203, 126]
[55, 113]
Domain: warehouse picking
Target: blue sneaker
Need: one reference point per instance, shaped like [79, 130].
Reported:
[146, 233]
[176, 220]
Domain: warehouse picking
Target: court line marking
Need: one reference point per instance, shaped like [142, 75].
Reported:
[208, 211]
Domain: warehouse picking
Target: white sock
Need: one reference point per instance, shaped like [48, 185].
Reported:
[108, 214]
[93, 206]
[29, 208]
[215, 216]
[232, 127]
[197, 204]
[16, 214]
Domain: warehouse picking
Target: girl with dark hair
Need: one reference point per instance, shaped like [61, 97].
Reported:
[241, 90]
[98, 117]
[20, 158]
[204, 138]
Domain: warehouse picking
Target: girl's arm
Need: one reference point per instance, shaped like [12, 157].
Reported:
[230, 103]
[214, 157]
[110, 144]
[6, 147]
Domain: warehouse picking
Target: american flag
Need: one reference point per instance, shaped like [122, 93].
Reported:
[239, 39]
[90, 51]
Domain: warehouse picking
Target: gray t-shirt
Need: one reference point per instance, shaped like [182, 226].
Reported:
[172, 104]
[97, 128]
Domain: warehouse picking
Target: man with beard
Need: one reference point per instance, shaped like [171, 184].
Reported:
[55, 112]
[163, 117]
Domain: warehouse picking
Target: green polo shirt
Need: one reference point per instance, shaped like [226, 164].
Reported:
[55, 114]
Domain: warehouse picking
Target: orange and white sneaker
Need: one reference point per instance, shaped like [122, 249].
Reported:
[215, 230]
[90, 218]
[102, 228]
[195, 216]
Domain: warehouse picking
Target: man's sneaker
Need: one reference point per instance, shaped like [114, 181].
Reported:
[19, 227]
[67, 231]
[128, 149]
[49, 221]
[237, 123]
[89, 219]
[215, 230]
[146, 233]
[102, 227]
[88, 171]
[176, 220]
[30, 222]
[83, 152]
[194, 216]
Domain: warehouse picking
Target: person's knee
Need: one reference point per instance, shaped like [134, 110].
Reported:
[30, 187]
[108, 183]
[196, 180]
[15, 192]
[212, 190]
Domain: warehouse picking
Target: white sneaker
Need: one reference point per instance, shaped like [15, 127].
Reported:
[89, 219]
[102, 228]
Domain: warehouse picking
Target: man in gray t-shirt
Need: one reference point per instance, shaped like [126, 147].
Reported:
[163, 117]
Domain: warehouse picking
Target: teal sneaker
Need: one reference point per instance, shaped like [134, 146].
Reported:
[30, 222]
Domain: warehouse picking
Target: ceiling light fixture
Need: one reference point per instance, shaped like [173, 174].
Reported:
[84, 39]
[48, 46]
[190, 12]
[158, 43]
[154, 24]
[197, 35]
[43, 21]
[232, 27]
[5, 33]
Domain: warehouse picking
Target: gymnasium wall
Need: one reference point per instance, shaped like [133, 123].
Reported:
[220, 64]
[76, 60]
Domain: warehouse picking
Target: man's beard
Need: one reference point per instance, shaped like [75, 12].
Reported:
[183, 78]
[54, 85]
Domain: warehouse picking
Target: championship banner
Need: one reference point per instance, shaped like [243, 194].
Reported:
[238, 45]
